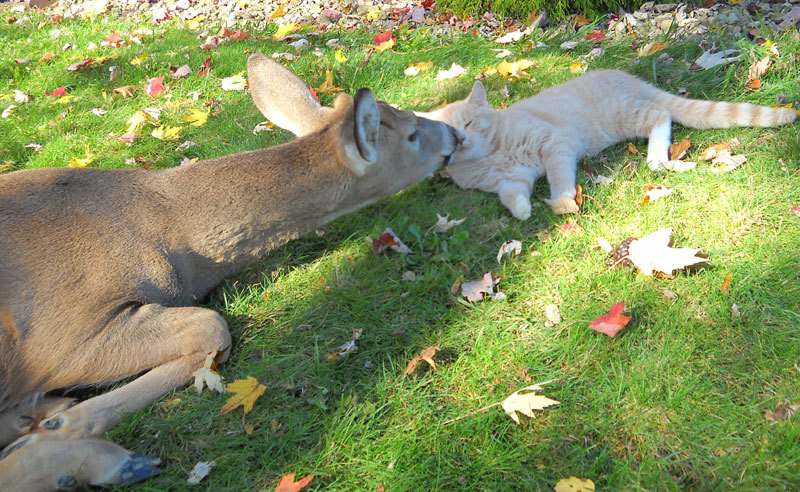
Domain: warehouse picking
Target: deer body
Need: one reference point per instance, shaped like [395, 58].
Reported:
[101, 269]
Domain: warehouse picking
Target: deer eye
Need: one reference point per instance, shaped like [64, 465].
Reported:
[412, 137]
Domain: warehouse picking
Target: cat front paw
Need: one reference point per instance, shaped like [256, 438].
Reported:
[563, 205]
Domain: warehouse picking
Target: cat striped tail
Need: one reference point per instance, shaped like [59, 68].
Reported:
[695, 113]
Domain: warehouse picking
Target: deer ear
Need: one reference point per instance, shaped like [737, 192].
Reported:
[367, 126]
[283, 97]
[478, 94]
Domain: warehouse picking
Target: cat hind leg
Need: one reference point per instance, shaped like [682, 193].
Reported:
[516, 196]
[560, 167]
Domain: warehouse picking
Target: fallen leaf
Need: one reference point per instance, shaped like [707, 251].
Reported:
[279, 12]
[714, 150]
[726, 284]
[46, 57]
[612, 323]
[170, 403]
[203, 70]
[511, 247]
[654, 193]
[604, 244]
[454, 71]
[287, 483]
[574, 484]
[166, 132]
[210, 43]
[345, 349]
[570, 229]
[552, 314]
[181, 72]
[327, 86]
[339, 56]
[510, 37]
[577, 67]
[113, 39]
[389, 240]
[569, 45]
[709, 60]
[155, 86]
[784, 411]
[630, 149]
[753, 83]
[283, 30]
[80, 64]
[195, 23]
[475, 291]
[76, 162]
[264, 126]
[196, 117]
[651, 47]
[138, 60]
[125, 90]
[200, 471]
[426, 355]
[725, 162]
[595, 35]
[99, 111]
[20, 97]
[525, 401]
[515, 70]
[246, 392]
[8, 111]
[384, 41]
[796, 210]
[668, 294]
[678, 149]
[63, 99]
[417, 68]
[205, 377]
[652, 253]
[443, 224]
[239, 35]
[235, 82]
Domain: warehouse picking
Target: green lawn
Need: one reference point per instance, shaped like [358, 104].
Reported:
[675, 402]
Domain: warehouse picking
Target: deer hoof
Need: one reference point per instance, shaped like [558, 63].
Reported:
[137, 468]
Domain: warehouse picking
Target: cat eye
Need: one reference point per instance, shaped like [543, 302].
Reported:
[468, 123]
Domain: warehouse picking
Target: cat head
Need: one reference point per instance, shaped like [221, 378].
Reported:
[474, 118]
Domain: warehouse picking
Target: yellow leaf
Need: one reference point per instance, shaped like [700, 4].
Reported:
[284, 30]
[245, 393]
[170, 403]
[196, 117]
[196, 22]
[374, 14]
[577, 67]
[140, 59]
[164, 132]
[525, 401]
[514, 70]
[385, 45]
[75, 162]
[138, 120]
[327, 87]
[176, 105]
[575, 484]
[651, 47]
[279, 12]
[735, 2]
[63, 99]
[340, 56]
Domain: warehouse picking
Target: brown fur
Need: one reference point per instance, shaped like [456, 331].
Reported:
[100, 269]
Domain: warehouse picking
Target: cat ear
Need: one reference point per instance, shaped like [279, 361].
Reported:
[478, 94]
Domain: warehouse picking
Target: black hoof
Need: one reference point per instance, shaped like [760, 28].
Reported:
[67, 482]
[138, 468]
[54, 423]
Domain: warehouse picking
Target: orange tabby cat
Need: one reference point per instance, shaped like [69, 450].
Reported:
[504, 152]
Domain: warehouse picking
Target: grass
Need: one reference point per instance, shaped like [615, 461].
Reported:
[675, 402]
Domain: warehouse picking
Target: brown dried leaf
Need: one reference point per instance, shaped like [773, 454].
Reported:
[678, 149]
[426, 355]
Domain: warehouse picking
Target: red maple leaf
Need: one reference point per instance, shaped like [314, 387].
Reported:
[204, 68]
[80, 64]
[112, 40]
[595, 34]
[155, 86]
[383, 37]
[287, 483]
[238, 35]
[610, 324]
[56, 93]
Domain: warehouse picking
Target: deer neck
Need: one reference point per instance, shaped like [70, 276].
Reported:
[233, 209]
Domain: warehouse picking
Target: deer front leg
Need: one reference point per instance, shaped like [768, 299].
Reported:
[53, 464]
[171, 342]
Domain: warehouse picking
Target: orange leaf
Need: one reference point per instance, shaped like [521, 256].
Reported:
[612, 323]
[726, 284]
[287, 483]
[155, 87]
[383, 37]
[678, 149]
[752, 83]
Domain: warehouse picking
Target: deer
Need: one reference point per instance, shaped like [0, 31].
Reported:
[102, 270]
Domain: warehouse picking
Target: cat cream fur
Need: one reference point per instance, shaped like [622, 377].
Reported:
[504, 152]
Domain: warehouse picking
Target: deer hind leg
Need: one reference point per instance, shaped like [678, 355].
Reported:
[171, 342]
